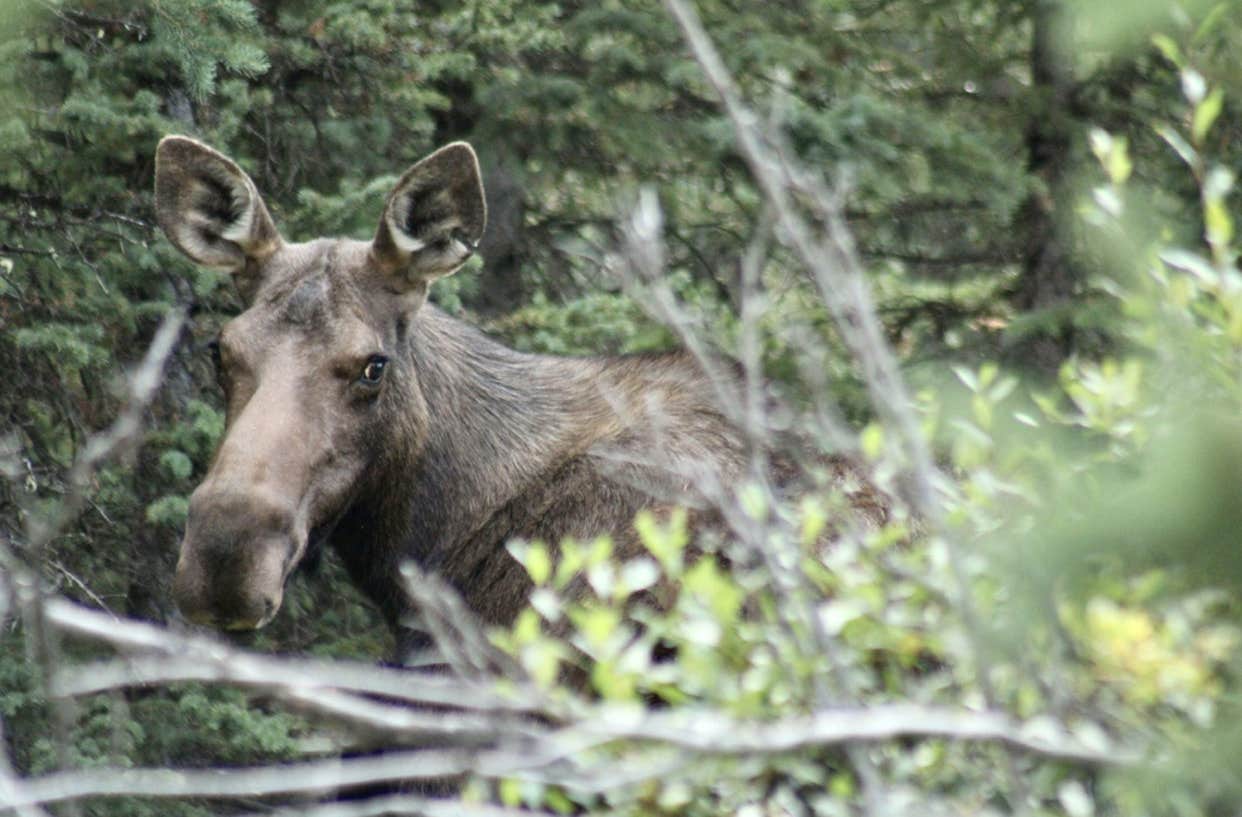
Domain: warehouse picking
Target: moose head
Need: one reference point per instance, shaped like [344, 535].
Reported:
[318, 395]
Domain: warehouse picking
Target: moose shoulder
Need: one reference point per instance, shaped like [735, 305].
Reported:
[361, 417]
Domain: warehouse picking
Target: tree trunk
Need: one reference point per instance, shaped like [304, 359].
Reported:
[1050, 278]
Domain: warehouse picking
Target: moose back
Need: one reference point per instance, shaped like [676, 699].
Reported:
[361, 417]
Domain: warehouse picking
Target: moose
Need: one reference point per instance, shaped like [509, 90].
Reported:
[361, 417]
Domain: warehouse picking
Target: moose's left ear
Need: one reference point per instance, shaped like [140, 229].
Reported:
[433, 219]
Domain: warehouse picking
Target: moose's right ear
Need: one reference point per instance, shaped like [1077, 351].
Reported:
[209, 208]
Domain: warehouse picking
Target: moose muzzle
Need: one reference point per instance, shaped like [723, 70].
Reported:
[238, 550]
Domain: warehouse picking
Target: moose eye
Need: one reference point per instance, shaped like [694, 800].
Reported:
[374, 370]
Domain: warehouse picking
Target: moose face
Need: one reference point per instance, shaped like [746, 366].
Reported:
[316, 386]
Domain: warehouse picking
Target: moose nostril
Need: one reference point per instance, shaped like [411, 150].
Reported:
[269, 607]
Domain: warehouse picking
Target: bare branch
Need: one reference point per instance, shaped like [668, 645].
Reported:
[643, 245]
[124, 433]
[833, 262]
[399, 804]
[260, 781]
[190, 657]
[28, 587]
[456, 630]
[708, 733]
[716, 733]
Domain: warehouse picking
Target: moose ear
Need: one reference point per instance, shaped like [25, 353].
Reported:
[209, 208]
[433, 218]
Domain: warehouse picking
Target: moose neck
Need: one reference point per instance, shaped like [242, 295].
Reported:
[496, 420]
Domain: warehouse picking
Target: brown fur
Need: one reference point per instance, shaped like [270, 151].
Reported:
[463, 445]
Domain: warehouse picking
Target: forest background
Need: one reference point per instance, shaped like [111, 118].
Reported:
[1038, 192]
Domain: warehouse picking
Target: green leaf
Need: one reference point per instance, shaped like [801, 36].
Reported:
[666, 542]
[538, 563]
[1205, 114]
[571, 561]
[871, 441]
[1192, 263]
[987, 373]
[597, 624]
[714, 588]
[1166, 46]
[754, 501]
[1183, 149]
[1119, 165]
[967, 377]
[533, 556]
[814, 518]
[1218, 224]
[510, 790]
[1212, 20]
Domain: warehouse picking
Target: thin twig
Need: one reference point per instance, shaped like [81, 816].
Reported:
[398, 804]
[29, 589]
[456, 630]
[834, 264]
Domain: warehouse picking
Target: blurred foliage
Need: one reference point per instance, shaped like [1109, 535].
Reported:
[1096, 521]
[1098, 508]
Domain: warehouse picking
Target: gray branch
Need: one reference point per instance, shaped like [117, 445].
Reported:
[190, 657]
[706, 733]
[261, 781]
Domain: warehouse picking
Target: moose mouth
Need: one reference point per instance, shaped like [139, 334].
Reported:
[238, 587]
[308, 562]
